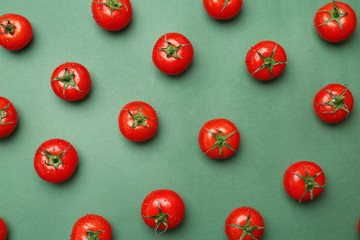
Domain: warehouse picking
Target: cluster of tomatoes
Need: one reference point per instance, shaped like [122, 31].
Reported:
[56, 159]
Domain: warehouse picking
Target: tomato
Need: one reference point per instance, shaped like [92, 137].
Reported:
[91, 227]
[219, 138]
[15, 32]
[359, 226]
[55, 160]
[222, 9]
[112, 15]
[71, 81]
[333, 103]
[138, 121]
[304, 181]
[172, 53]
[3, 230]
[8, 117]
[163, 210]
[335, 22]
[244, 223]
[266, 60]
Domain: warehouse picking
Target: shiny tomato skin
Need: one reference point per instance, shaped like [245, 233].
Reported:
[359, 226]
[324, 96]
[206, 140]
[172, 65]
[239, 217]
[92, 222]
[215, 8]
[22, 32]
[170, 203]
[65, 170]
[3, 230]
[9, 118]
[139, 133]
[295, 186]
[331, 31]
[82, 79]
[119, 19]
[254, 61]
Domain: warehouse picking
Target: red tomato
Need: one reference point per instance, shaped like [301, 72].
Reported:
[222, 9]
[173, 53]
[138, 121]
[333, 103]
[335, 22]
[112, 15]
[15, 32]
[244, 223]
[91, 227]
[3, 230]
[266, 60]
[219, 138]
[8, 117]
[71, 81]
[359, 226]
[304, 181]
[55, 160]
[163, 210]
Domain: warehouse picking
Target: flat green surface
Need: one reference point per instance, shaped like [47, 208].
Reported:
[276, 120]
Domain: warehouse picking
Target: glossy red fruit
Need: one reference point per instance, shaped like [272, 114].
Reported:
[138, 121]
[71, 81]
[15, 32]
[333, 103]
[8, 117]
[304, 181]
[112, 15]
[3, 230]
[91, 227]
[219, 138]
[163, 210]
[244, 223]
[359, 226]
[173, 53]
[55, 160]
[266, 60]
[222, 9]
[335, 22]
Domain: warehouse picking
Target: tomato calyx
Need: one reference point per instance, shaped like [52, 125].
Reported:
[247, 229]
[4, 115]
[53, 160]
[336, 15]
[220, 141]
[337, 102]
[171, 51]
[310, 183]
[114, 5]
[9, 28]
[68, 80]
[160, 218]
[138, 119]
[93, 235]
[225, 4]
[269, 62]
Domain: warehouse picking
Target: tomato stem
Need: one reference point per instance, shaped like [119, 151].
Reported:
[9, 28]
[139, 119]
[114, 5]
[220, 141]
[269, 62]
[93, 235]
[4, 115]
[171, 51]
[337, 102]
[160, 218]
[53, 160]
[68, 80]
[247, 229]
[335, 15]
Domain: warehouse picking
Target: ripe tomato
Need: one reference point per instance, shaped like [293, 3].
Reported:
[112, 15]
[3, 230]
[71, 81]
[91, 227]
[138, 121]
[8, 117]
[304, 181]
[335, 22]
[219, 138]
[15, 31]
[266, 60]
[333, 103]
[172, 53]
[244, 223]
[359, 226]
[163, 210]
[55, 160]
[222, 9]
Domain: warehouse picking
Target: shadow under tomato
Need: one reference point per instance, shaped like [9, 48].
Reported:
[348, 41]
[27, 47]
[121, 31]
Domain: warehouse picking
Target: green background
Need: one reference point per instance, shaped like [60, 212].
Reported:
[276, 120]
